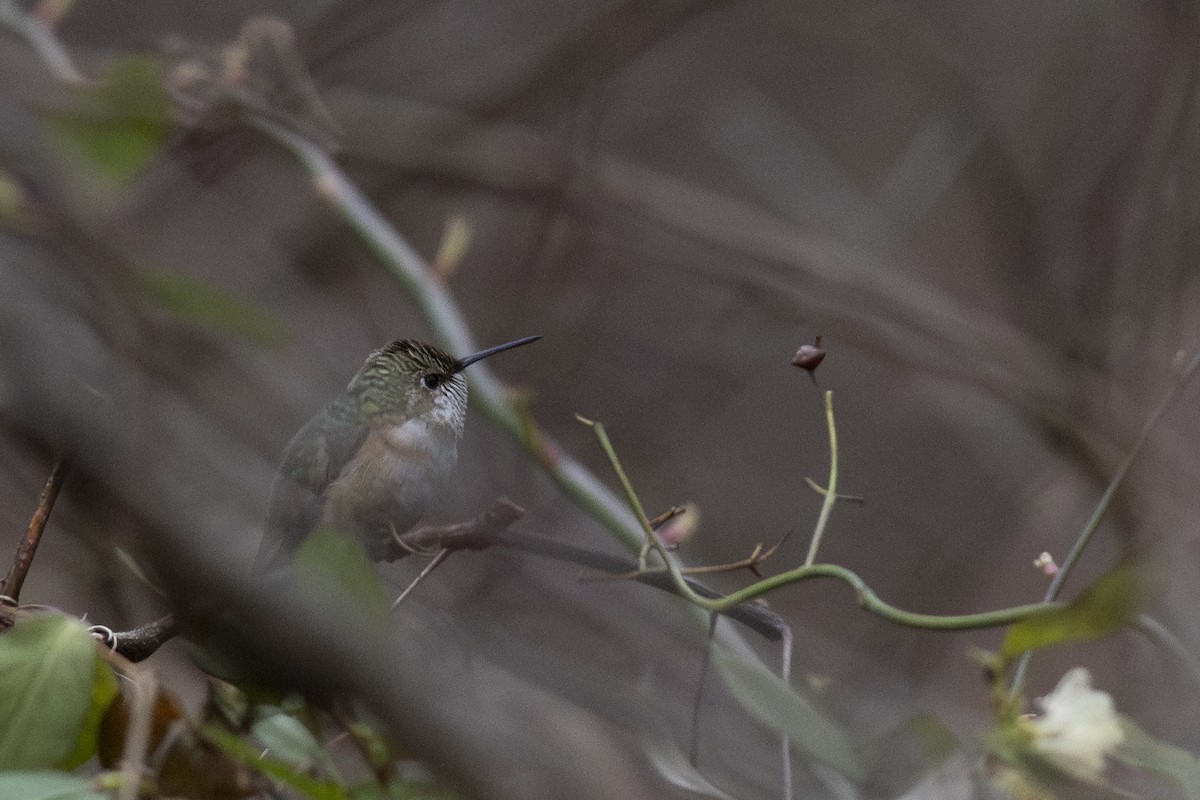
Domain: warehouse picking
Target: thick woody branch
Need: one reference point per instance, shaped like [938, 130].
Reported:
[136, 644]
[140, 643]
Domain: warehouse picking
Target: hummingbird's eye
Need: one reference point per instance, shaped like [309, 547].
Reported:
[431, 381]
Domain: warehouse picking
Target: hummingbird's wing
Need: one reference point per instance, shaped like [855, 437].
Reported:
[312, 460]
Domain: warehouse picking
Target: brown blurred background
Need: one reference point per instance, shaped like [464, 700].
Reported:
[988, 211]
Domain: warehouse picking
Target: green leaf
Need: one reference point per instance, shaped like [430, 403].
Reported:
[1106, 607]
[286, 738]
[904, 755]
[196, 302]
[104, 691]
[46, 786]
[273, 767]
[399, 789]
[334, 562]
[118, 126]
[1140, 749]
[373, 745]
[51, 693]
[770, 700]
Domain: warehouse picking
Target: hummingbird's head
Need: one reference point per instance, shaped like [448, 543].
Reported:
[408, 380]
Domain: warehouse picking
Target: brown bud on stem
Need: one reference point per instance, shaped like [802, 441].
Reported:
[809, 357]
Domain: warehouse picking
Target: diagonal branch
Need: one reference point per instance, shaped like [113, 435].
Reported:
[11, 588]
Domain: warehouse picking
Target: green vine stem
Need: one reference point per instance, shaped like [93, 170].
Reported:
[867, 599]
[831, 495]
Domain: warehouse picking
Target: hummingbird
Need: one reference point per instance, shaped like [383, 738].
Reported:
[373, 461]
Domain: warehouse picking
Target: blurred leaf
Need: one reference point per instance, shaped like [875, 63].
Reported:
[182, 765]
[671, 763]
[274, 768]
[51, 692]
[130, 563]
[114, 728]
[118, 126]
[1103, 609]
[1140, 749]
[104, 691]
[46, 786]
[16, 211]
[401, 790]
[286, 738]
[196, 302]
[776, 704]
[332, 561]
[904, 755]
[374, 747]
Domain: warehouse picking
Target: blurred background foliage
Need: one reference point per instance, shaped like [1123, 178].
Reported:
[988, 211]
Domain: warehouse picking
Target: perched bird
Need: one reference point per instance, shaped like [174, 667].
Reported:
[375, 459]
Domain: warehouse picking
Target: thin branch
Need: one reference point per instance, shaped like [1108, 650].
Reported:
[474, 534]
[842, 498]
[651, 539]
[490, 529]
[666, 516]
[831, 495]
[433, 564]
[1160, 635]
[751, 562]
[39, 36]
[11, 588]
[1093, 524]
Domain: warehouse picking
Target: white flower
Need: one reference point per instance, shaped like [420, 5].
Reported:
[1078, 727]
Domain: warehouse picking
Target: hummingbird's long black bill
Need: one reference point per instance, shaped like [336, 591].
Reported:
[491, 351]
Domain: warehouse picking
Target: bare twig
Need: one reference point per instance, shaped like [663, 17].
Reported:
[474, 534]
[11, 589]
[843, 498]
[831, 495]
[490, 529]
[665, 517]
[757, 556]
[750, 562]
[430, 567]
